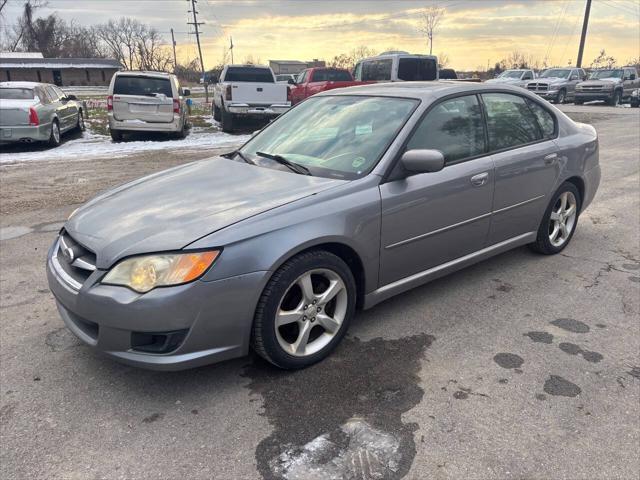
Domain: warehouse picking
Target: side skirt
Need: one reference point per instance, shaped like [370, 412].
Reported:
[438, 271]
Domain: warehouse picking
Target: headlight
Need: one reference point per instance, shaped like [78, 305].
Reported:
[607, 86]
[635, 93]
[144, 273]
[578, 87]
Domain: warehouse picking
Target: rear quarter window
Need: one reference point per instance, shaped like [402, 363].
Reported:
[248, 74]
[150, 86]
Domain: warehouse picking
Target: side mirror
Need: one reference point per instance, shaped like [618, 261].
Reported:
[422, 161]
[72, 97]
[186, 92]
[291, 81]
[632, 77]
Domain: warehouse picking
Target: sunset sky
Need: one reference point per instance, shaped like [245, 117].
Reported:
[472, 33]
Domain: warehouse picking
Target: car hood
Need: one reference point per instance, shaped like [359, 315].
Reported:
[551, 80]
[171, 209]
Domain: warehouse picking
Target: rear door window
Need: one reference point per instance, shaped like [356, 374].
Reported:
[453, 127]
[510, 121]
[331, 76]
[142, 86]
[417, 69]
[248, 74]
[53, 95]
[377, 69]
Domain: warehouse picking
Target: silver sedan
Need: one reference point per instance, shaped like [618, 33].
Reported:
[353, 196]
[37, 112]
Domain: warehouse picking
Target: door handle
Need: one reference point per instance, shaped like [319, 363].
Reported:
[549, 159]
[479, 179]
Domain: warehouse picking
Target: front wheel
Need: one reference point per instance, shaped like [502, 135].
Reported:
[561, 97]
[635, 103]
[559, 222]
[616, 99]
[305, 310]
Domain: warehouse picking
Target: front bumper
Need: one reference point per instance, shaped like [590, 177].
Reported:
[257, 110]
[142, 126]
[591, 96]
[216, 316]
[22, 133]
[548, 94]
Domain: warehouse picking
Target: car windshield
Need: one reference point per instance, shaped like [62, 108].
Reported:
[139, 85]
[333, 136]
[16, 93]
[248, 74]
[556, 73]
[511, 74]
[617, 73]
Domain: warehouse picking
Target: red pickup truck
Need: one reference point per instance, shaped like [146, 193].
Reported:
[315, 80]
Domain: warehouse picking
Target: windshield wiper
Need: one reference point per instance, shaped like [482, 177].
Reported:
[294, 167]
[241, 155]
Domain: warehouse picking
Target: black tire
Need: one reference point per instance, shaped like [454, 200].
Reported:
[578, 102]
[182, 133]
[55, 135]
[227, 121]
[80, 126]
[615, 99]
[635, 103]
[116, 135]
[263, 338]
[543, 244]
[561, 97]
[216, 113]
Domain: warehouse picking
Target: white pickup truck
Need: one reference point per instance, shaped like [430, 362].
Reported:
[245, 91]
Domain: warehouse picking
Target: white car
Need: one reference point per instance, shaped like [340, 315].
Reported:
[248, 91]
[397, 67]
[146, 102]
[515, 77]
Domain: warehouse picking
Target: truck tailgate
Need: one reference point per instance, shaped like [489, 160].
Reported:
[253, 93]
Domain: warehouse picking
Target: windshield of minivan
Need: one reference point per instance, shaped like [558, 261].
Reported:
[617, 73]
[556, 73]
[16, 93]
[140, 85]
[248, 74]
[333, 136]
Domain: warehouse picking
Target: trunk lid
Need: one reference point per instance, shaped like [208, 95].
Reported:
[15, 113]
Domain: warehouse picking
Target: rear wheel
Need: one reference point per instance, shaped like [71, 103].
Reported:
[54, 136]
[216, 113]
[80, 127]
[578, 102]
[116, 135]
[305, 310]
[227, 120]
[559, 222]
[182, 133]
[635, 102]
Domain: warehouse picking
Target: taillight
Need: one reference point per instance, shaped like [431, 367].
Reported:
[288, 93]
[33, 117]
[227, 95]
[176, 106]
[109, 103]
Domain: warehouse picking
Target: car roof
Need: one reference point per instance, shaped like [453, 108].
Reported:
[148, 73]
[419, 90]
[23, 84]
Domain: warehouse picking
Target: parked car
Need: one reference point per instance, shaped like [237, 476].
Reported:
[613, 85]
[315, 80]
[286, 77]
[397, 66]
[557, 85]
[352, 197]
[516, 77]
[146, 102]
[447, 74]
[635, 98]
[248, 91]
[37, 112]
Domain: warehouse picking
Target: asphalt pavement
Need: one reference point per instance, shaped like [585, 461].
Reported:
[522, 366]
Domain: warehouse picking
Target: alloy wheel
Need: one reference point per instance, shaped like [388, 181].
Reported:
[563, 219]
[311, 312]
[56, 132]
[81, 122]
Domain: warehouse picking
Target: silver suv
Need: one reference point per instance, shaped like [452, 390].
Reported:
[557, 84]
[146, 102]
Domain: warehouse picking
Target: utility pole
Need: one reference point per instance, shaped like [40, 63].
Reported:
[173, 42]
[583, 37]
[231, 48]
[196, 25]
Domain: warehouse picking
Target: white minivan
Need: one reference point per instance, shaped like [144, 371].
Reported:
[146, 102]
[397, 67]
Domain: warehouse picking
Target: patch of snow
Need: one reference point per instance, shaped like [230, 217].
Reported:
[361, 451]
[92, 145]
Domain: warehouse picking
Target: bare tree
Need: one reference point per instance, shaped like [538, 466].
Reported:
[121, 40]
[603, 60]
[443, 60]
[429, 21]
[152, 54]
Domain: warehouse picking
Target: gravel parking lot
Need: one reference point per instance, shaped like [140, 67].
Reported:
[522, 366]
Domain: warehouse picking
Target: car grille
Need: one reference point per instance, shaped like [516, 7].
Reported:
[538, 87]
[591, 88]
[73, 262]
